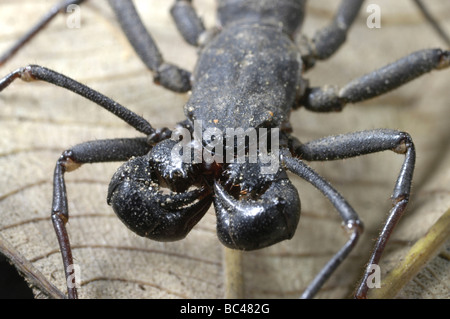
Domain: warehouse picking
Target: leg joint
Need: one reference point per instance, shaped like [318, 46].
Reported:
[67, 161]
[405, 143]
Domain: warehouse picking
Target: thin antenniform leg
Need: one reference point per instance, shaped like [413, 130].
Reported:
[36, 72]
[53, 12]
[360, 143]
[168, 75]
[328, 40]
[349, 217]
[89, 152]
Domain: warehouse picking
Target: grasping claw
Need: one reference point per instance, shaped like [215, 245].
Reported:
[137, 197]
[263, 210]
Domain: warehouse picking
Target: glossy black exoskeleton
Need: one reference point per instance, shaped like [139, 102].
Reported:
[247, 81]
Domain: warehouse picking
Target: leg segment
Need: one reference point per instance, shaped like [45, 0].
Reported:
[329, 39]
[366, 142]
[89, 152]
[58, 8]
[168, 75]
[35, 72]
[349, 217]
[377, 82]
[187, 21]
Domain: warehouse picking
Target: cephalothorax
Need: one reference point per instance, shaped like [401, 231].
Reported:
[247, 81]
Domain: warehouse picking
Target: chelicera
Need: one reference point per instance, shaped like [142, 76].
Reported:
[249, 78]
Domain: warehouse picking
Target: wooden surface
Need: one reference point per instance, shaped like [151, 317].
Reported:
[38, 121]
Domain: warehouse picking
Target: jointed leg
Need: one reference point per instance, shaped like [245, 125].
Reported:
[360, 143]
[377, 82]
[35, 72]
[168, 75]
[349, 217]
[188, 23]
[89, 152]
[328, 40]
[60, 7]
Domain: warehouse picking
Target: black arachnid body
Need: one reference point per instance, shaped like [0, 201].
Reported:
[251, 67]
